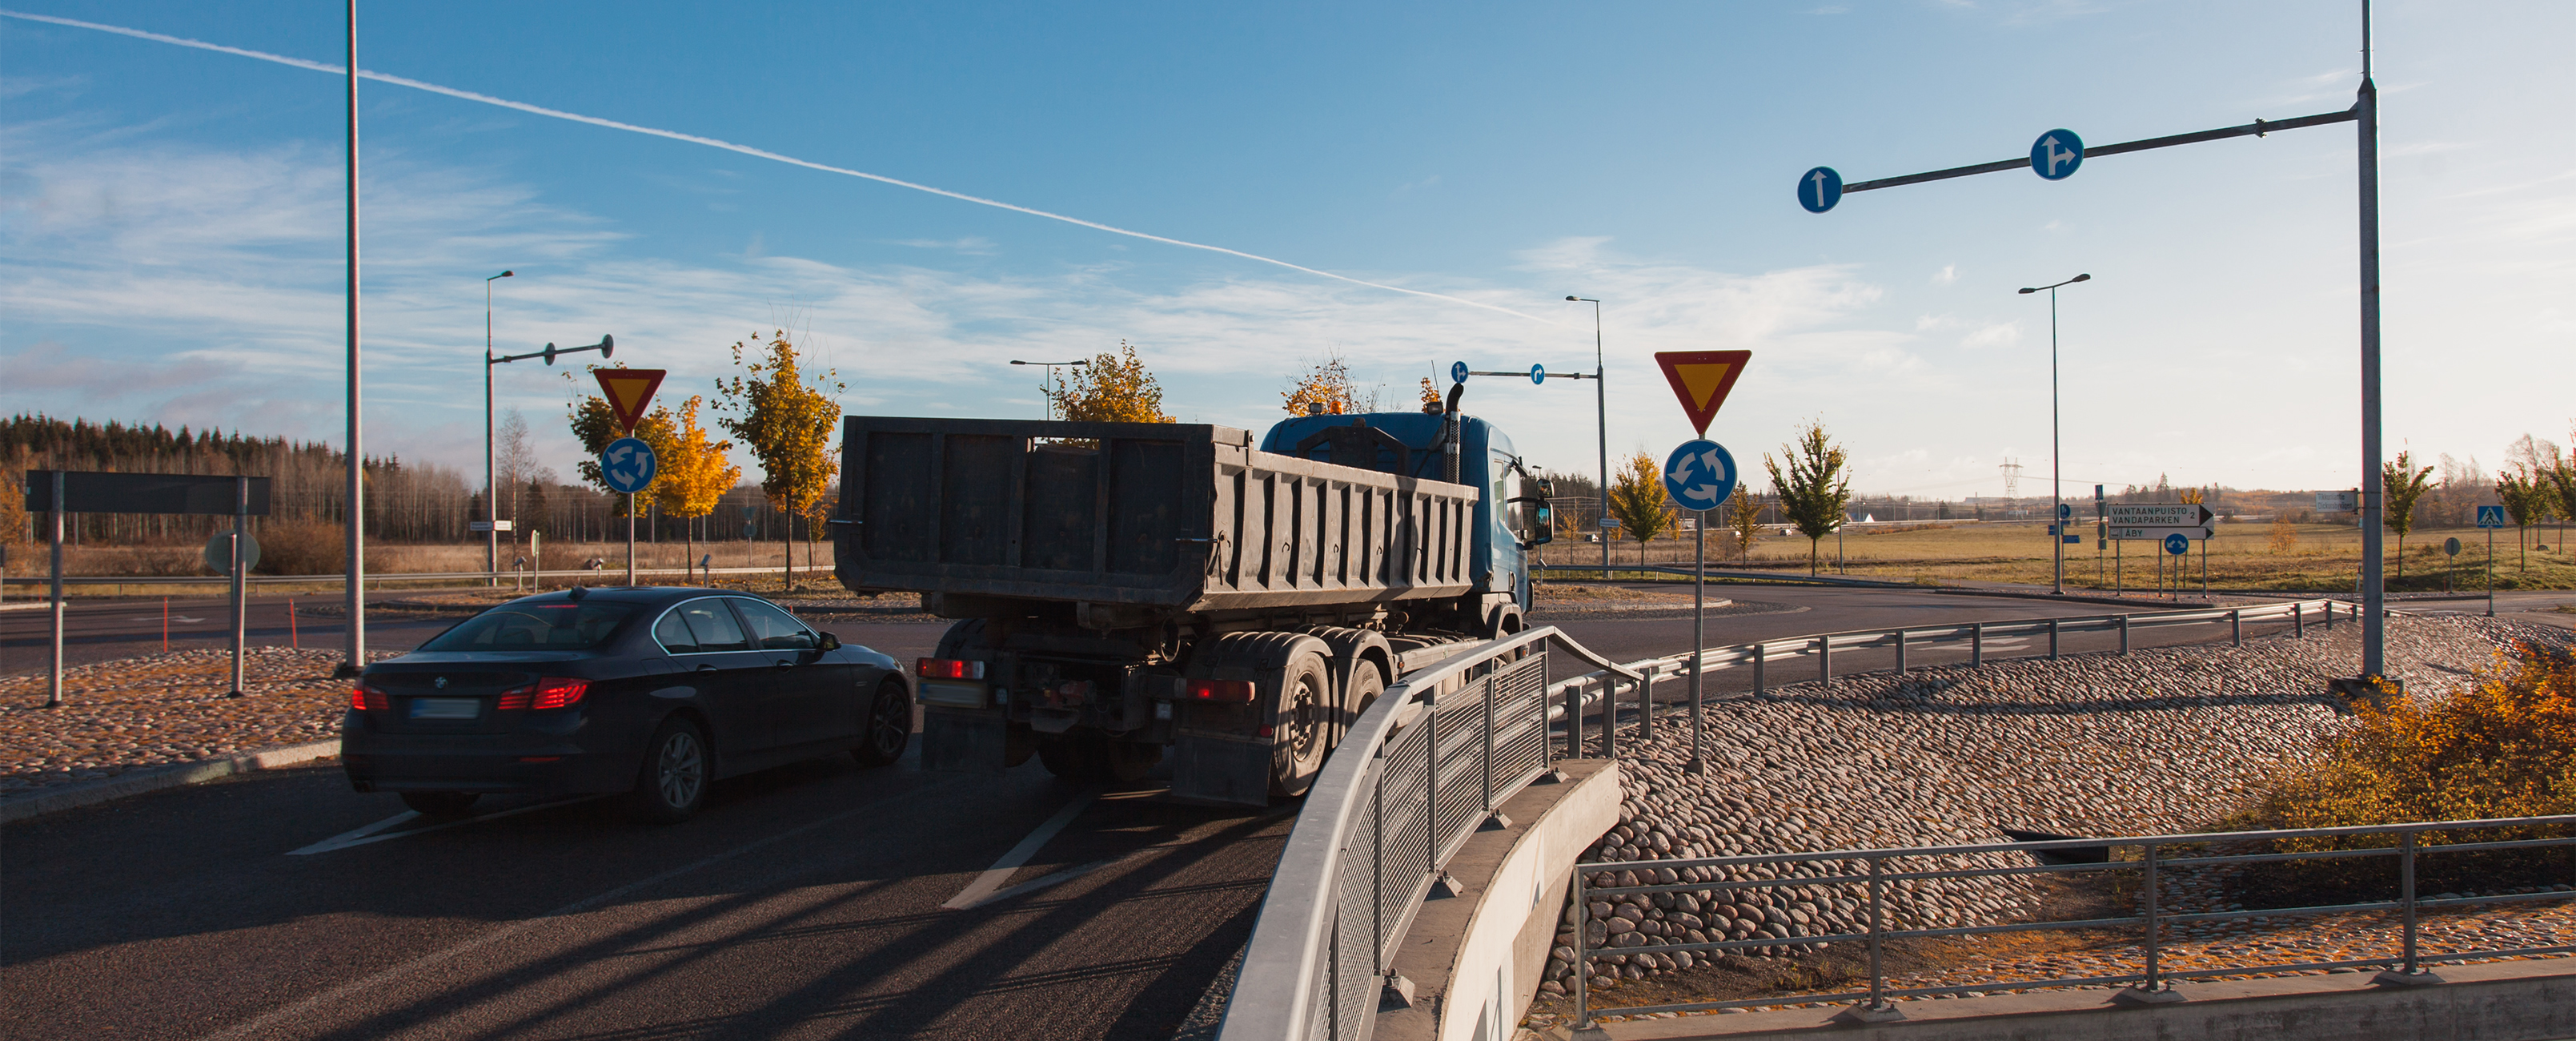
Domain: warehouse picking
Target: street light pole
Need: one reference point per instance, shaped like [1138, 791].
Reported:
[491, 495]
[1601, 415]
[1049, 403]
[356, 528]
[2056, 464]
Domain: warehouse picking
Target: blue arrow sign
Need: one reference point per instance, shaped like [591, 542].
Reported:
[1458, 372]
[2064, 511]
[1538, 373]
[2057, 154]
[2491, 517]
[1699, 475]
[2177, 544]
[1819, 189]
[627, 465]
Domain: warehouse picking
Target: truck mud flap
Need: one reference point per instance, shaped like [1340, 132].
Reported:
[964, 742]
[1215, 768]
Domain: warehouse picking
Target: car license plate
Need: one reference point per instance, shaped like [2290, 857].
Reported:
[446, 708]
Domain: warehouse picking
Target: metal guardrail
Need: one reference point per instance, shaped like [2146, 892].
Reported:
[374, 577]
[1874, 874]
[1418, 773]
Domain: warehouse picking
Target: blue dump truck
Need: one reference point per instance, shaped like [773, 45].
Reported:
[1125, 592]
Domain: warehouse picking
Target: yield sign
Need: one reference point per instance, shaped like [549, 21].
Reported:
[628, 391]
[1701, 379]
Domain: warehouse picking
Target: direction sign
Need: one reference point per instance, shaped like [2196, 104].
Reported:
[2057, 154]
[2157, 533]
[1457, 372]
[1610, 522]
[628, 392]
[1819, 189]
[2338, 502]
[1538, 373]
[2491, 517]
[1699, 475]
[2177, 544]
[1701, 379]
[627, 465]
[2451, 547]
[2160, 514]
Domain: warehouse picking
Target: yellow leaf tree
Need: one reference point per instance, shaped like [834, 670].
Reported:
[594, 424]
[787, 424]
[695, 472]
[1327, 383]
[1111, 388]
[1744, 519]
[1637, 499]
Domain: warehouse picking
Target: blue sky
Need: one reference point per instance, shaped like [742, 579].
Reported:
[170, 217]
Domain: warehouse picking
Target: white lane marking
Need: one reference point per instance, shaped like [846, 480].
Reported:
[1000, 872]
[376, 983]
[341, 842]
[335, 841]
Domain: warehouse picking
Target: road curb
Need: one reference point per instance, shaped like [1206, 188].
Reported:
[155, 778]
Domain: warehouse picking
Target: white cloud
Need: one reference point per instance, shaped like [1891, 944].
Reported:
[1948, 274]
[1998, 334]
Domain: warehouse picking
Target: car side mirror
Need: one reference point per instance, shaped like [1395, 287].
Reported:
[827, 642]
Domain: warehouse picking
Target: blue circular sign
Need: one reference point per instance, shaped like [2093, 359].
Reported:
[2057, 154]
[1819, 189]
[1538, 373]
[2064, 511]
[628, 466]
[1457, 372]
[1699, 475]
[2177, 544]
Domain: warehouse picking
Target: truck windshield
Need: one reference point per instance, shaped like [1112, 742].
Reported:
[558, 626]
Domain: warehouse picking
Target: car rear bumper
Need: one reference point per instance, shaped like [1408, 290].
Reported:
[538, 764]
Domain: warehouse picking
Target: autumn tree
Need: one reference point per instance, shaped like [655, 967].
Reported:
[1744, 519]
[2562, 486]
[1637, 498]
[15, 523]
[1430, 396]
[2526, 498]
[2401, 482]
[695, 472]
[1814, 491]
[2285, 536]
[1110, 388]
[787, 424]
[1327, 383]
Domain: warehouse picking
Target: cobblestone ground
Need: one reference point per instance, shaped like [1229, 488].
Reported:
[2162, 741]
[163, 708]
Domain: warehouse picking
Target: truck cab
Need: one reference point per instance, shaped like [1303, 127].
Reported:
[1511, 516]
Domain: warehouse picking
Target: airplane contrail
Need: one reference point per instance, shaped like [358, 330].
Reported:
[539, 110]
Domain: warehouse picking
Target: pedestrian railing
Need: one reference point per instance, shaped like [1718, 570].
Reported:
[1870, 874]
[1635, 681]
[1417, 774]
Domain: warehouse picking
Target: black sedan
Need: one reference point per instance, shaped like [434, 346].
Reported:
[652, 692]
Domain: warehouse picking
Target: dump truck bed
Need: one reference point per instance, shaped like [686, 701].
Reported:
[1185, 517]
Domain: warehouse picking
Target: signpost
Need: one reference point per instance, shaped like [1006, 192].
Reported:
[2451, 571]
[2059, 153]
[80, 491]
[607, 348]
[627, 464]
[1701, 476]
[2491, 518]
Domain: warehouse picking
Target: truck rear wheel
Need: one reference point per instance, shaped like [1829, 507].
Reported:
[1302, 731]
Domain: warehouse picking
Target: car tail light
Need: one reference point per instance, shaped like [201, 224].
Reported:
[558, 692]
[1233, 692]
[949, 669]
[516, 698]
[364, 699]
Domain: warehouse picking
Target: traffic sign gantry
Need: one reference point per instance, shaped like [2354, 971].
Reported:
[1701, 379]
[1699, 475]
[1819, 189]
[628, 465]
[2057, 154]
[2491, 517]
[628, 391]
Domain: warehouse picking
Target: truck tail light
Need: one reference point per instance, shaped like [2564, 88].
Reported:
[365, 699]
[949, 669]
[1231, 692]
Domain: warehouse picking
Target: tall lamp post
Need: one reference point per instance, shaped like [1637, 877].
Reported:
[1050, 378]
[1601, 414]
[491, 492]
[2056, 467]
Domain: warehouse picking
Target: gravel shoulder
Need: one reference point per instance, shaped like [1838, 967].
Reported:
[2162, 741]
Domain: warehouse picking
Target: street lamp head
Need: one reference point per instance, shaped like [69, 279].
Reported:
[2081, 278]
[504, 274]
[2027, 289]
[1574, 298]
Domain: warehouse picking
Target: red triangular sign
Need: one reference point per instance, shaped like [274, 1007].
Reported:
[1701, 379]
[628, 392]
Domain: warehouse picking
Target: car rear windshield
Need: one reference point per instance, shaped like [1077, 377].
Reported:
[558, 626]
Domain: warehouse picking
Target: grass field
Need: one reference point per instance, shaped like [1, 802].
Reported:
[2325, 557]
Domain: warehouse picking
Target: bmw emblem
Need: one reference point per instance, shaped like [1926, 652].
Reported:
[440, 683]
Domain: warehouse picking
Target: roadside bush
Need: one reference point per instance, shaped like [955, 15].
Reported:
[300, 546]
[2502, 744]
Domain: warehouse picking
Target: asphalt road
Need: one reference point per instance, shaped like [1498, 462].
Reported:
[804, 902]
